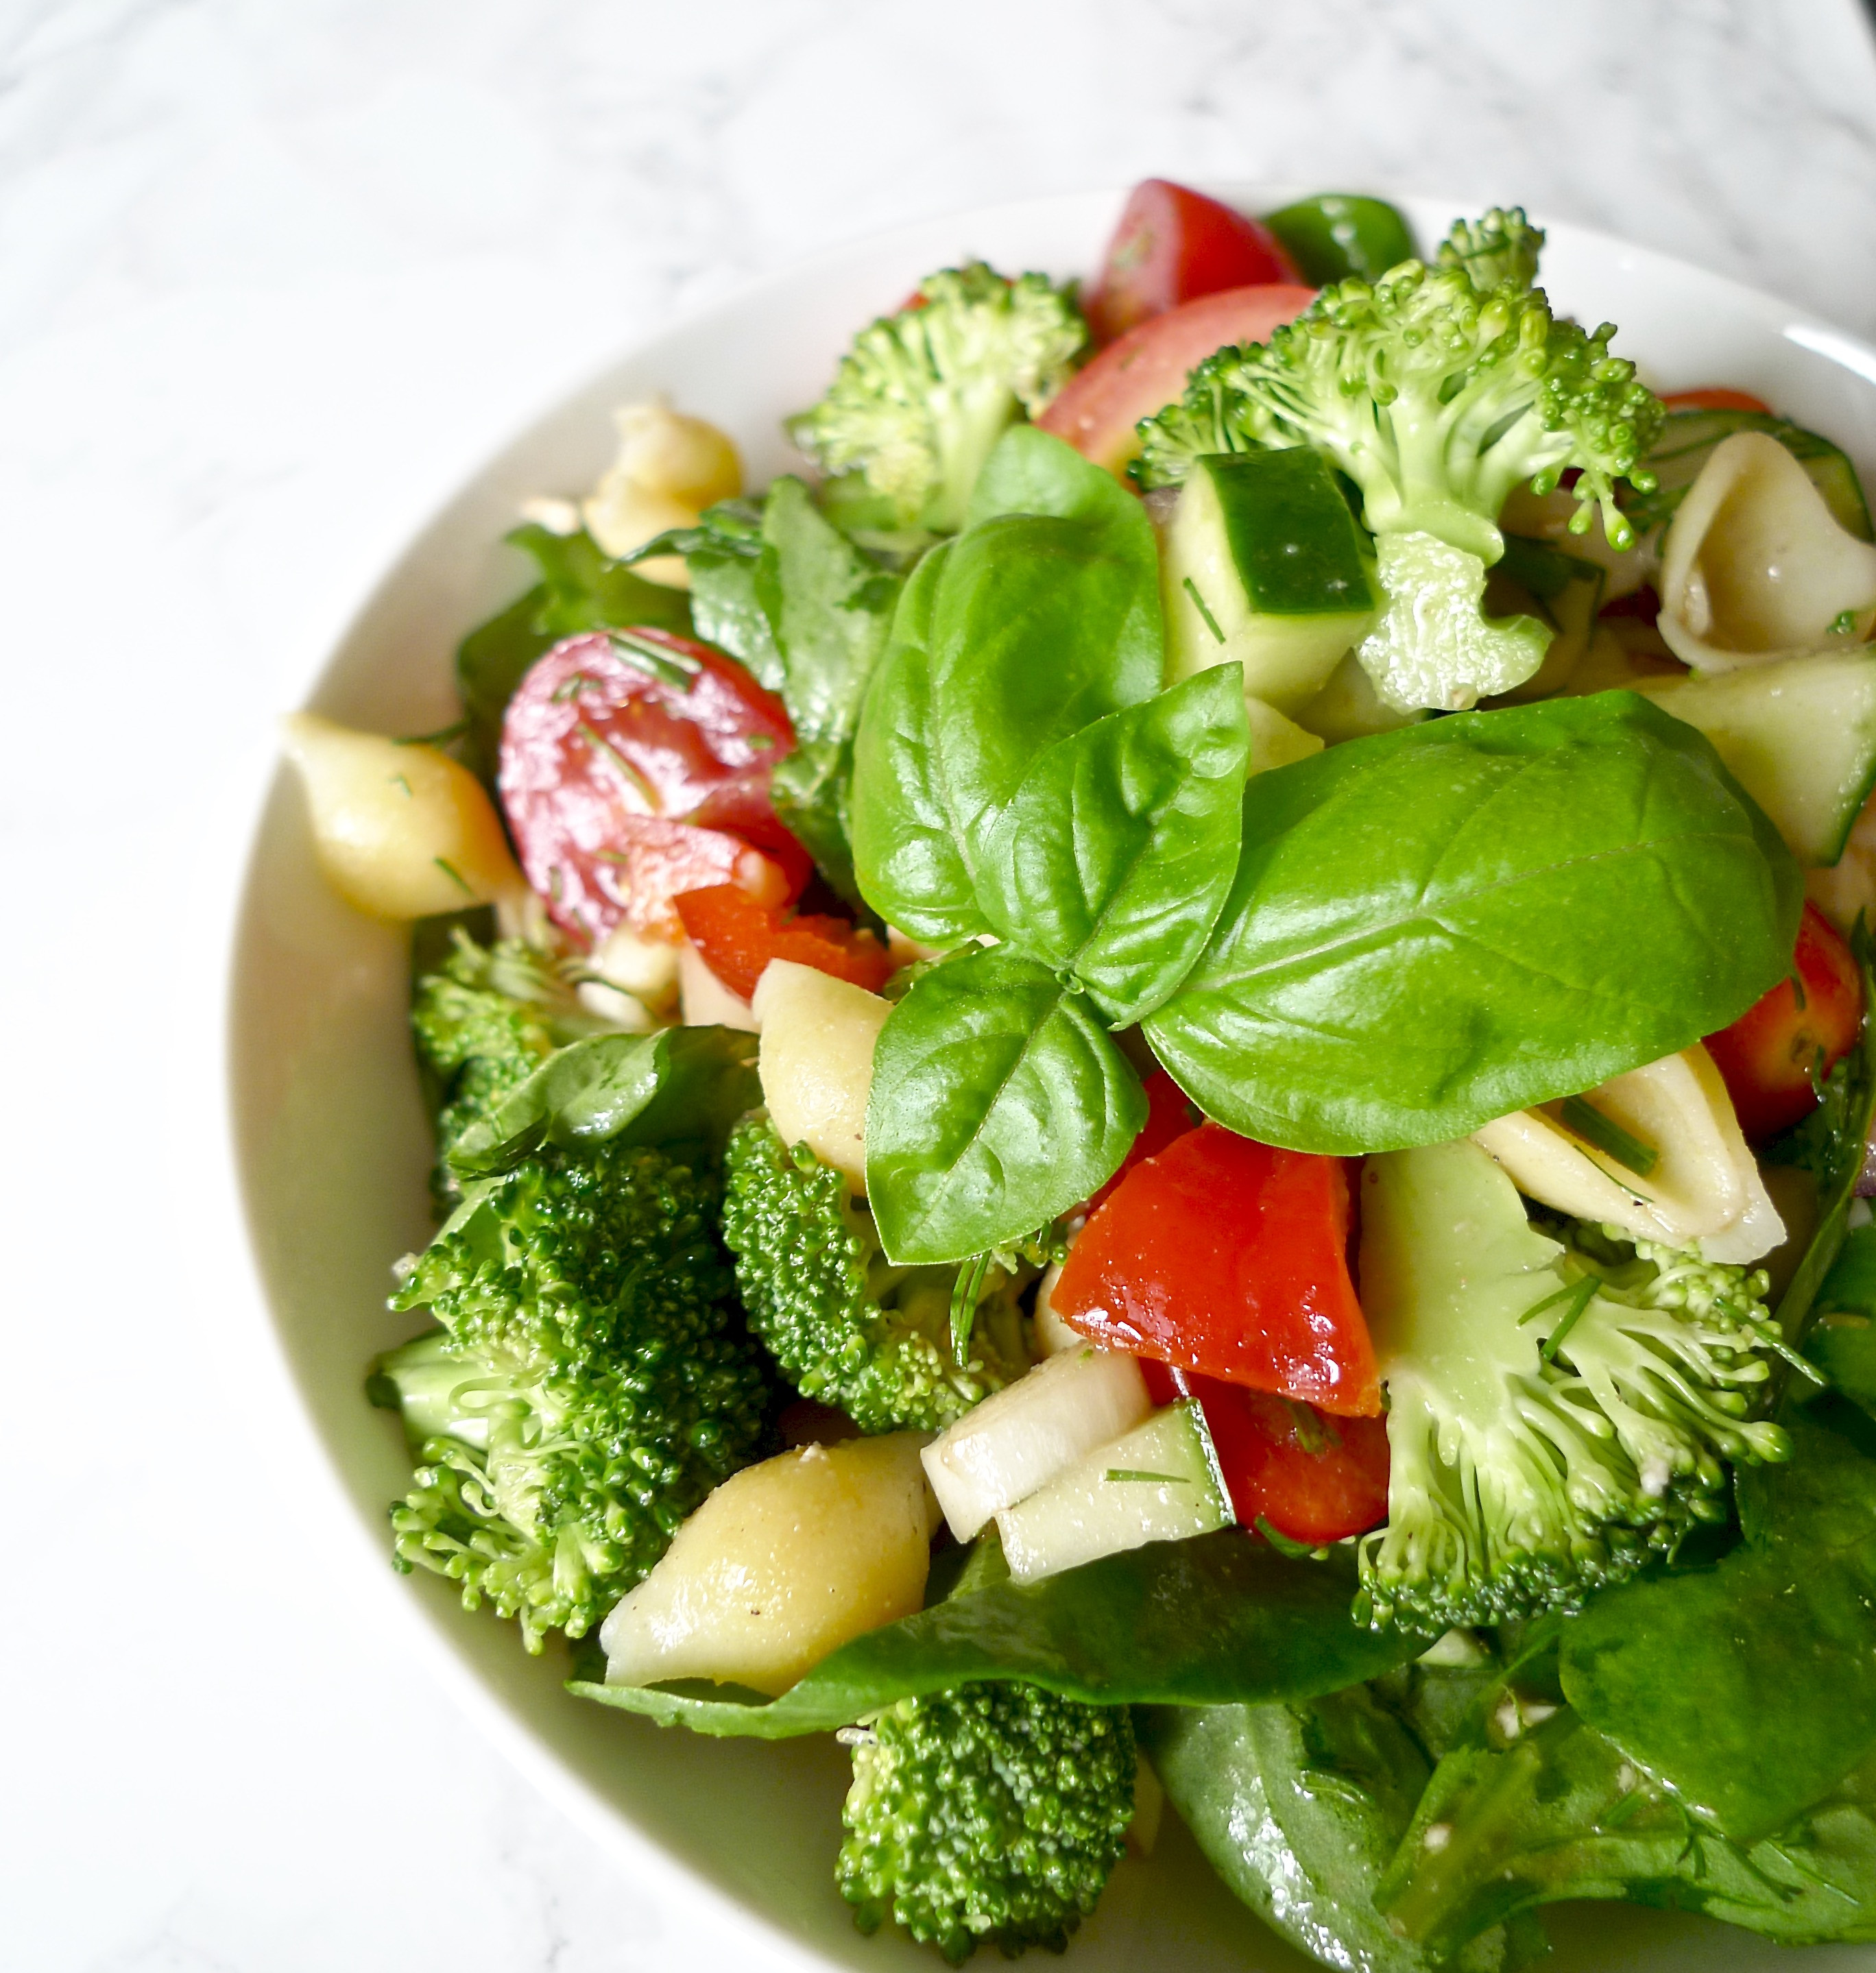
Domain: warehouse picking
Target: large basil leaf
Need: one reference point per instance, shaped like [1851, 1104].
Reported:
[1436, 927]
[999, 1101]
[1299, 1808]
[579, 589]
[1749, 1688]
[681, 1084]
[1202, 1622]
[1112, 859]
[1026, 628]
[906, 855]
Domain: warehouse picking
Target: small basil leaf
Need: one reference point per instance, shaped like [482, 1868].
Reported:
[1113, 858]
[1436, 927]
[1033, 472]
[906, 856]
[722, 554]
[998, 1102]
[681, 1084]
[1187, 1623]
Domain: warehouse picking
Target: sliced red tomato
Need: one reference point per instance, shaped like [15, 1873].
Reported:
[1716, 397]
[1774, 1055]
[1312, 1477]
[636, 765]
[1228, 1256]
[738, 937]
[1172, 245]
[1171, 1114]
[1097, 410]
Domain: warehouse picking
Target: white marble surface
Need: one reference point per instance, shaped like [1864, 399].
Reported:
[272, 277]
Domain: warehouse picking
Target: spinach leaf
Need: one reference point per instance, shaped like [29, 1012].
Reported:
[1436, 927]
[1554, 1811]
[1200, 1622]
[679, 1085]
[1750, 1688]
[1299, 1808]
[999, 1101]
[1026, 628]
[1843, 1345]
[579, 589]
[1112, 859]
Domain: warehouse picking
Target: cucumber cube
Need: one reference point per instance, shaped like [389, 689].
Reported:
[1263, 564]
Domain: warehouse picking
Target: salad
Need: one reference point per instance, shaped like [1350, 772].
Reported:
[1154, 1091]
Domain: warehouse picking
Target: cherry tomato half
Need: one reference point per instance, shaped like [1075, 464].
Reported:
[636, 765]
[739, 936]
[1312, 1477]
[1228, 1256]
[1098, 408]
[1173, 244]
[1716, 397]
[1770, 1057]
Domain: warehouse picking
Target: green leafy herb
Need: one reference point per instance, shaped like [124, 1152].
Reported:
[1436, 927]
[1582, 1118]
[1285, 1544]
[1203, 1622]
[998, 1101]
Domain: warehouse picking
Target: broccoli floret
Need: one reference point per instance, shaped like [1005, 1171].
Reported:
[1436, 395]
[848, 1328]
[1556, 1416]
[588, 1388]
[1499, 248]
[483, 1023]
[921, 396]
[993, 1811]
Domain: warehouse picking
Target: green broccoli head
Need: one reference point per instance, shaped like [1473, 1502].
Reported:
[989, 1812]
[850, 1329]
[483, 1022]
[1501, 246]
[588, 1388]
[1558, 1410]
[921, 396]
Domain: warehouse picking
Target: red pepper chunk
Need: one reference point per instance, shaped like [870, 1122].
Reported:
[1228, 1256]
[738, 937]
[1311, 1477]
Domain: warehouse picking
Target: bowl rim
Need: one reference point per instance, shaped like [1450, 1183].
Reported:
[610, 1823]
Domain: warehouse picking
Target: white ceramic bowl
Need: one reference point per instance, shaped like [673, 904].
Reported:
[332, 1147]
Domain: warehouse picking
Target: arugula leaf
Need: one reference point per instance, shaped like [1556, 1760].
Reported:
[579, 589]
[679, 1085]
[1299, 1808]
[1114, 857]
[722, 555]
[1750, 1687]
[1198, 1622]
[1432, 927]
[999, 1101]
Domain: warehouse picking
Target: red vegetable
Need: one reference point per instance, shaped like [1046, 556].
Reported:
[1715, 398]
[739, 936]
[1228, 1256]
[1312, 1477]
[1172, 245]
[1171, 1114]
[637, 767]
[1768, 1057]
[1097, 410]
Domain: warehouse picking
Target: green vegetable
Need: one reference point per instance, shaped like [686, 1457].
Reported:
[1211, 1621]
[999, 1101]
[849, 1328]
[922, 396]
[587, 1389]
[988, 1812]
[1410, 947]
[1550, 1427]
[1038, 620]
[1114, 855]
[1436, 395]
[579, 589]
[722, 554]
[1336, 235]
[1300, 1808]
[1686, 441]
[1842, 1345]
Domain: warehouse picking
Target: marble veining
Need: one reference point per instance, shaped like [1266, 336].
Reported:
[272, 278]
